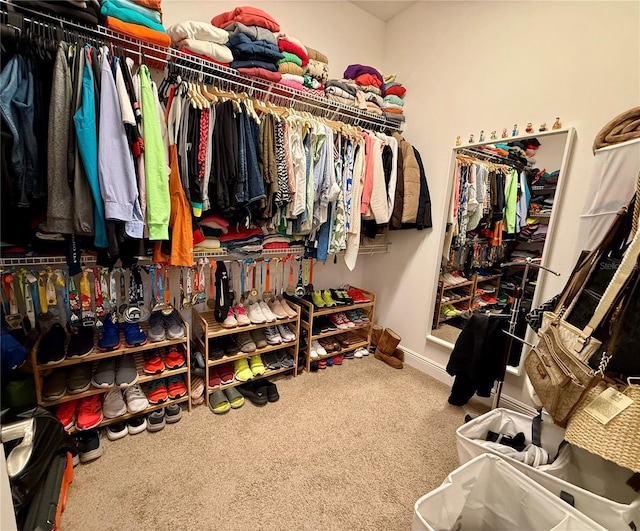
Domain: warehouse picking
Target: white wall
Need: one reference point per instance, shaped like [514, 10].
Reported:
[487, 65]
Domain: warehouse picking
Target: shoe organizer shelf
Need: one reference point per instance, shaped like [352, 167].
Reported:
[467, 295]
[40, 371]
[310, 313]
[205, 327]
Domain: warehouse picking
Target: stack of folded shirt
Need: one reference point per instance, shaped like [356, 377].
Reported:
[84, 11]
[252, 41]
[202, 40]
[318, 67]
[346, 92]
[242, 239]
[276, 241]
[141, 19]
[369, 81]
[393, 93]
[213, 227]
[294, 60]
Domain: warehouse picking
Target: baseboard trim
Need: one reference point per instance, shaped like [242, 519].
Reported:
[439, 372]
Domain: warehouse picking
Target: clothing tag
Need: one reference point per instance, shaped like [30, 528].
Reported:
[608, 405]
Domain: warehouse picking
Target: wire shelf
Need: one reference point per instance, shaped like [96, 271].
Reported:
[206, 71]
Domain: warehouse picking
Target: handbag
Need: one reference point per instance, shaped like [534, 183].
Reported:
[557, 366]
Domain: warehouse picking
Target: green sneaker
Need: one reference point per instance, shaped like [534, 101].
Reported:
[316, 298]
[328, 300]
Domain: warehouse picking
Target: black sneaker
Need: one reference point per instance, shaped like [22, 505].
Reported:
[116, 431]
[136, 425]
[52, 345]
[157, 330]
[80, 342]
[89, 446]
[156, 421]
[216, 349]
[172, 413]
[229, 346]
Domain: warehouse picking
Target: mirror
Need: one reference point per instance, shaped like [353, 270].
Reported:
[503, 197]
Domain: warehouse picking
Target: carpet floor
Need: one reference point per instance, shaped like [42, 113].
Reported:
[350, 447]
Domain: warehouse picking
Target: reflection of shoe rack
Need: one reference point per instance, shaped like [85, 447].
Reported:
[340, 326]
[455, 296]
[487, 288]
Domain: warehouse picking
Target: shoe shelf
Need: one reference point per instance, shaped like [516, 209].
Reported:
[454, 286]
[206, 327]
[310, 313]
[488, 279]
[469, 287]
[152, 407]
[267, 374]
[40, 370]
[461, 299]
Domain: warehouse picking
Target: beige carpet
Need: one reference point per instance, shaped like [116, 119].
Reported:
[350, 447]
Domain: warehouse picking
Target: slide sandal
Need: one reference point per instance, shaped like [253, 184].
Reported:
[218, 403]
[234, 397]
[257, 394]
[257, 367]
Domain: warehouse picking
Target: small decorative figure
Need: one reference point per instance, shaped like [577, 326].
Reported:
[556, 124]
[481, 139]
[504, 133]
[470, 139]
[493, 135]
[515, 130]
[529, 128]
[458, 140]
[543, 127]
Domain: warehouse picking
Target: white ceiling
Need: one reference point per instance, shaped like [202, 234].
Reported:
[384, 10]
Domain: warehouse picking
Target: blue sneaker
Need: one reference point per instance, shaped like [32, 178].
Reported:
[110, 338]
[133, 335]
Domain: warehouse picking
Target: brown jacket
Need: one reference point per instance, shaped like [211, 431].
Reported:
[396, 216]
[411, 180]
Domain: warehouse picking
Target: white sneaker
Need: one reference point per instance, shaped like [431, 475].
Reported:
[241, 315]
[255, 314]
[136, 399]
[289, 310]
[286, 334]
[114, 405]
[276, 308]
[313, 353]
[230, 321]
[272, 335]
[269, 315]
[315, 345]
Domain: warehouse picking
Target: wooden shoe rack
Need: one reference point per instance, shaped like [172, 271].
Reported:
[205, 328]
[310, 313]
[41, 371]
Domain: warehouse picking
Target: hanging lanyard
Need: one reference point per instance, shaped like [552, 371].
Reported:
[97, 292]
[27, 280]
[88, 317]
[167, 291]
[42, 292]
[74, 303]
[267, 264]
[200, 294]
[61, 280]
[104, 286]
[113, 292]
[212, 282]
[183, 302]
[305, 272]
[152, 284]
[52, 299]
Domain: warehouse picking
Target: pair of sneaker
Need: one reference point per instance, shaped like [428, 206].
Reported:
[453, 279]
[116, 403]
[245, 369]
[259, 313]
[159, 391]
[84, 414]
[317, 349]
[133, 426]
[358, 317]
[165, 326]
[115, 373]
[449, 310]
[323, 299]
[110, 338]
[158, 419]
[281, 309]
[279, 334]
[156, 361]
[236, 316]
[341, 321]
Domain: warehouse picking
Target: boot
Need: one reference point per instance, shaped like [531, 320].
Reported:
[387, 344]
[398, 353]
[376, 332]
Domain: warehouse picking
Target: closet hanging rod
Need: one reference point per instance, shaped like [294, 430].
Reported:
[491, 157]
[154, 55]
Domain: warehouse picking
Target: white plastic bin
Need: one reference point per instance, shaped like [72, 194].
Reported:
[597, 487]
[487, 493]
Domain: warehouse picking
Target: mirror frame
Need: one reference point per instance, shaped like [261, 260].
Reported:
[530, 336]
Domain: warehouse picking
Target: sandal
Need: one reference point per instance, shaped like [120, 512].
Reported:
[236, 400]
[256, 365]
[241, 370]
[219, 403]
[256, 392]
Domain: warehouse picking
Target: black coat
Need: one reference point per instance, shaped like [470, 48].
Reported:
[477, 357]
